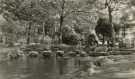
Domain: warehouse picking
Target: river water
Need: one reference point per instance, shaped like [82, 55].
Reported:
[35, 68]
[40, 68]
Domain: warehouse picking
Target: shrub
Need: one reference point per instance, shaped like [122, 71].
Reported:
[69, 36]
[71, 39]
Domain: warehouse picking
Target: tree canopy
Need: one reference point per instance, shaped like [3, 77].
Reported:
[39, 18]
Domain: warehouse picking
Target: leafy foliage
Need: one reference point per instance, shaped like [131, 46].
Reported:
[70, 36]
[104, 27]
[69, 18]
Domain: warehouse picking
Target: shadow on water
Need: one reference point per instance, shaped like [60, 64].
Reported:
[35, 68]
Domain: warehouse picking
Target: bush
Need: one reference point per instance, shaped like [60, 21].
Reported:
[91, 40]
[69, 36]
[71, 39]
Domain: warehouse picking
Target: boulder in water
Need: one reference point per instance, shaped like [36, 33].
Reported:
[103, 60]
[13, 54]
[20, 52]
[101, 49]
[33, 54]
[81, 53]
[71, 53]
[60, 53]
[47, 53]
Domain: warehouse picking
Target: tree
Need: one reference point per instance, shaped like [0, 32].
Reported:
[104, 28]
[25, 11]
[11, 32]
[113, 9]
[64, 10]
[70, 36]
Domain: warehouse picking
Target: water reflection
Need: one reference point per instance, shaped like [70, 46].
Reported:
[62, 66]
[54, 68]
[35, 68]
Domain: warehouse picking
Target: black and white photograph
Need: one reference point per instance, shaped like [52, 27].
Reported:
[67, 39]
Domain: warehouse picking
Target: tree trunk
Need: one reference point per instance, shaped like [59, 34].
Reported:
[28, 32]
[96, 37]
[103, 40]
[43, 31]
[110, 20]
[61, 23]
[61, 20]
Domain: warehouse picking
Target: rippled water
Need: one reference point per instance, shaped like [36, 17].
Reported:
[39, 68]
[35, 68]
